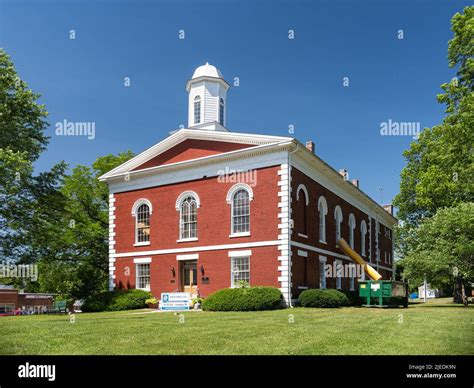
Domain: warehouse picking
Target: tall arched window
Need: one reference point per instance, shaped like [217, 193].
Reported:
[221, 111]
[241, 212]
[197, 110]
[303, 200]
[239, 197]
[323, 211]
[363, 233]
[142, 210]
[188, 218]
[352, 225]
[338, 218]
[187, 205]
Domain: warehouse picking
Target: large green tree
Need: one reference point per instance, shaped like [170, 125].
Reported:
[77, 262]
[439, 173]
[53, 219]
[29, 203]
[440, 164]
[443, 249]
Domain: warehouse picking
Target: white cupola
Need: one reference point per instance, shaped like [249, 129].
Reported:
[207, 98]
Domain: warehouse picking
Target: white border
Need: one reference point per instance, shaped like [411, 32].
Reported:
[142, 260]
[194, 256]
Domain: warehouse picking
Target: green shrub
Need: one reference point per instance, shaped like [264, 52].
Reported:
[244, 299]
[353, 297]
[327, 298]
[117, 300]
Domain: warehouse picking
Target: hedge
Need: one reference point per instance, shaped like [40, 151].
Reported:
[244, 299]
[327, 298]
[353, 297]
[117, 300]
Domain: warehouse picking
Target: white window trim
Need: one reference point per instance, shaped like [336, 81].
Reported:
[324, 205]
[197, 99]
[306, 195]
[352, 227]
[337, 214]
[178, 205]
[338, 278]
[237, 187]
[234, 256]
[138, 262]
[230, 200]
[240, 253]
[352, 283]
[183, 196]
[142, 260]
[142, 243]
[194, 256]
[322, 261]
[302, 253]
[363, 237]
[136, 205]
[302, 235]
[240, 234]
[180, 240]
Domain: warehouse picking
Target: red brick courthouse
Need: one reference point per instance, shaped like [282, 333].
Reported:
[207, 208]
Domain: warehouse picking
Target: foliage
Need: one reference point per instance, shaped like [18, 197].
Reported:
[440, 174]
[327, 298]
[244, 299]
[442, 247]
[117, 300]
[29, 204]
[440, 164]
[353, 297]
[198, 300]
[56, 220]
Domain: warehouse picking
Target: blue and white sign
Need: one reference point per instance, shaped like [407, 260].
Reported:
[175, 301]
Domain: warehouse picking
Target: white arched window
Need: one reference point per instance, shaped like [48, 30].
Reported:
[363, 233]
[338, 218]
[352, 225]
[197, 110]
[323, 211]
[142, 210]
[239, 197]
[187, 205]
[221, 111]
[303, 201]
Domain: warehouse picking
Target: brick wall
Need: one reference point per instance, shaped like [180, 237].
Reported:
[311, 263]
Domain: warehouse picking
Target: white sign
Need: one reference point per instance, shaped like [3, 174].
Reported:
[175, 301]
[374, 286]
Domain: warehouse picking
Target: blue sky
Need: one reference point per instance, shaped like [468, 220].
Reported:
[282, 82]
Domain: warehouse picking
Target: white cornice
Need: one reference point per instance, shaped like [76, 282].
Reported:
[194, 134]
[313, 166]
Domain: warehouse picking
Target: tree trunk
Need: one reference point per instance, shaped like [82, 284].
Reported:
[465, 301]
[458, 290]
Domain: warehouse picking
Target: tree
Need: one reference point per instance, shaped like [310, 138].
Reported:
[76, 263]
[442, 248]
[28, 203]
[57, 221]
[440, 164]
[440, 174]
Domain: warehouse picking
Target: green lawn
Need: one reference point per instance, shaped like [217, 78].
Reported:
[435, 328]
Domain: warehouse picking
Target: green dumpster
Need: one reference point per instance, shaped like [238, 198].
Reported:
[383, 293]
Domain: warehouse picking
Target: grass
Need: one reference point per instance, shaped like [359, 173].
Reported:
[438, 327]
